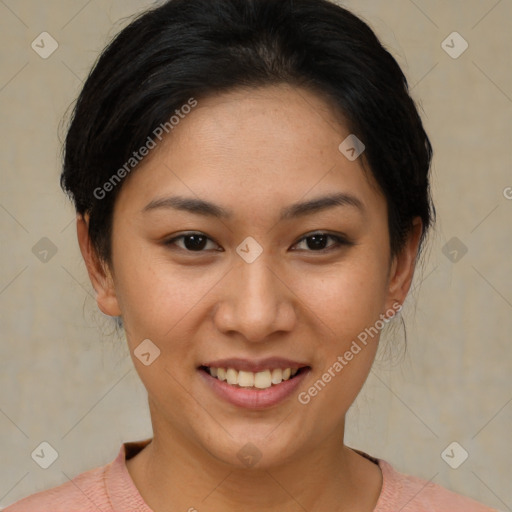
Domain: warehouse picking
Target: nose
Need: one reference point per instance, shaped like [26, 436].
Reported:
[256, 302]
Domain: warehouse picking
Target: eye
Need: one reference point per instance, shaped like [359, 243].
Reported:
[316, 242]
[192, 242]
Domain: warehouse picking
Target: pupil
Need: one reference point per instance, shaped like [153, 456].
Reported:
[198, 242]
[318, 241]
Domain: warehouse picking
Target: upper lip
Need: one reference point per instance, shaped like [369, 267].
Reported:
[254, 365]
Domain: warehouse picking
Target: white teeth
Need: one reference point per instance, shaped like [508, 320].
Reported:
[277, 376]
[231, 376]
[260, 380]
[245, 379]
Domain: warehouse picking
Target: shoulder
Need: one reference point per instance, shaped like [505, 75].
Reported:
[104, 489]
[412, 494]
[85, 493]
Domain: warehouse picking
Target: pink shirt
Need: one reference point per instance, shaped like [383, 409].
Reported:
[110, 489]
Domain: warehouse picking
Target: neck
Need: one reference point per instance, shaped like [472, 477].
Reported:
[331, 476]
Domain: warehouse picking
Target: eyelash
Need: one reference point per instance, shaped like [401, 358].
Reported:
[340, 241]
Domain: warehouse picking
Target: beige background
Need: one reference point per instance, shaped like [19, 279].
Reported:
[66, 379]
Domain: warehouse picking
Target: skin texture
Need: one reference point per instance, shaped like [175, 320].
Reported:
[253, 152]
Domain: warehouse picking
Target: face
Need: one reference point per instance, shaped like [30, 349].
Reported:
[276, 277]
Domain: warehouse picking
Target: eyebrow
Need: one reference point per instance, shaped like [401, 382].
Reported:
[300, 209]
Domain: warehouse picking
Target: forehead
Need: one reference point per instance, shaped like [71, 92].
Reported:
[254, 147]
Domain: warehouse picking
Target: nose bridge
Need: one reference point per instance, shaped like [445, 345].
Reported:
[257, 284]
[257, 304]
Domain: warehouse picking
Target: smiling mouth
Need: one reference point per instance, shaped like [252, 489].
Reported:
[259, 380]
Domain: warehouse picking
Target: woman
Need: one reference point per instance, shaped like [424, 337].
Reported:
[251, 181]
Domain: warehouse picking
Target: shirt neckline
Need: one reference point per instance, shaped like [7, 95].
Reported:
[121, 489]
[124, 495]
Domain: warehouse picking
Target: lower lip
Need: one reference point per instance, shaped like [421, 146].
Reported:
[252, 398]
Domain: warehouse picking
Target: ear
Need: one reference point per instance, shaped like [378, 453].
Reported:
[402, 266]
[99, 273]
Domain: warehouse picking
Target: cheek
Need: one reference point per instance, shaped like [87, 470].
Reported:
[348, 303]
[347, 298]
[160, 300]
